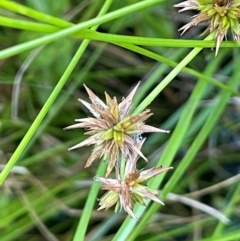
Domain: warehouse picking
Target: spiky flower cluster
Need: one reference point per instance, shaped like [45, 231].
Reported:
[116, 136]
[221, 15]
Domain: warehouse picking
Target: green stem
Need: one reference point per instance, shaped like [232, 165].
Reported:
[147, 101]
[89, 205]
[174, 144]
[127, 42]
[42, 113]
[76, 28]
[110, 38]
[229, 209]
[171, 63]
[126, 229]
[29, 12]
[40, 117]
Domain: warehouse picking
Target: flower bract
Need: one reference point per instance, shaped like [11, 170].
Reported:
[220, 16]
[113, 131]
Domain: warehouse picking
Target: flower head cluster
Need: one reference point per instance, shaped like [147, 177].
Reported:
[116, 136]
[112, 130]
[220, 14]
[126, 191]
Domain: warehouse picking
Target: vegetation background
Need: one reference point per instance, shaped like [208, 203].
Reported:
[47, 54]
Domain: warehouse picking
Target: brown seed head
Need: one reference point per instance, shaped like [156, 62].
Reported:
[112, 128]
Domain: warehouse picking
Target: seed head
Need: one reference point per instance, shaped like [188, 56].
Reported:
[221, 15]
[131, 189]
[112, 130]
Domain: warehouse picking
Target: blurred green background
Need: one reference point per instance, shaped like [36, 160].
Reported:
[43, 197]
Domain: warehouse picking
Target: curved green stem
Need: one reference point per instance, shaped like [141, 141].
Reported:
[76, 28]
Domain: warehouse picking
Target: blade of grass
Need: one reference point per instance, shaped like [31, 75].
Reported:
[113, 38]
[42, 206]
[40, 116]
[235, 197]
[171, 148]
[126, 230]
[183, 230]
[46, 107]
[187, 70]
[168, 154]
[80, 78]
[229, 236]
[73, 29]
[89, 205]
[156, 74]
[40, 201]
[127, 42]
[31, 13]
[208, 125]
[229, 209]
[147, 101]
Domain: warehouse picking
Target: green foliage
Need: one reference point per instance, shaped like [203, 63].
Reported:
[48, 50]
